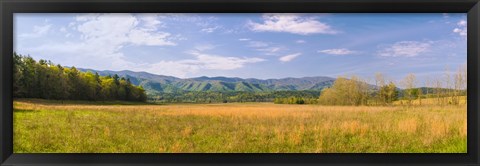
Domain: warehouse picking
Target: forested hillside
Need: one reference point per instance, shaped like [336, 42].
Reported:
[168, 89]
[44, 79]
[168, 84]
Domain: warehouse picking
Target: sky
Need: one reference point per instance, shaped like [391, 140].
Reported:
[249, 45]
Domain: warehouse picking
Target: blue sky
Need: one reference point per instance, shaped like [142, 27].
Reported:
[249, 45]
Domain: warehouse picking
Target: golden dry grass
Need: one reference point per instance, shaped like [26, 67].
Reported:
[432, 101]
[236, 127]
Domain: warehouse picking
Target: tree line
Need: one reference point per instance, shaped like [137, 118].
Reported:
[295, 100]
[344, 91]
[45, 80]
[355, 91]
[229, 97]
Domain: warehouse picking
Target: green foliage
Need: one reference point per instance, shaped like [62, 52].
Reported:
[388, 93]
[45, 80]
[346, 92]
[295, 100]
[308, 97]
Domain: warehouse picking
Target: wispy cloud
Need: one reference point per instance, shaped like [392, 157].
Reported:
[270, 49]
[461, 28]
[257, 44]
[404, 49]
[266, 48]
[206, 24]
[209, 61]
[291, 23]
[201, 61]
[290, 57]
[445, 15]
[63, 30]
[244, 39]
[300, 41]
[338, 51]
[38, 31]
[102, 37]
[203, 47]
[151, 22]
[210, 29]
[120, 29]
[141, 37]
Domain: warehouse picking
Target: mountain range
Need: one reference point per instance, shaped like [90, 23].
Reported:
[153, 83]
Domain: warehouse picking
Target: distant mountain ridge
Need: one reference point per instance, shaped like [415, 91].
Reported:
[168, 84]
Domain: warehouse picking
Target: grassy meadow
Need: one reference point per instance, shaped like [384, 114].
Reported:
[42, 126]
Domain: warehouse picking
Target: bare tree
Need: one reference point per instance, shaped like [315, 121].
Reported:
[448, 84]
[365, 90]
[459, 85]
[428, 85]
[409, 82]
[437, 84]
[379, 83]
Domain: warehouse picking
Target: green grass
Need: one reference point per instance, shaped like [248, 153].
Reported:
[78, 102]
[77, 127]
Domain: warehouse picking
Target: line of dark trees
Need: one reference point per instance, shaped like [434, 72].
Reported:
[229, 97]
[296, 100]
[45, 80]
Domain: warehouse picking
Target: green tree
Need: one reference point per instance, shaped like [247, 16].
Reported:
[44, 79]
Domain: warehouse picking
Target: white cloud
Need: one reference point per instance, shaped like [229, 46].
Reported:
[288, 58]
[119, 29]
[206, 24]
[203, 47]
[141, 37]
[72, 24]
[151, 22]
[201, 61]
[178, 37]
[41, 30]
[291, 23]
[264, 47]
[63, 29]
[244, 39]
[38, 31]
[405, 49]
[210, 29]
[222, 62]
[446, 16]
[171, 68]
[270, 49]
[462, 28]
[257, 44]
[300, 41]
[339, 51]
[102, 37]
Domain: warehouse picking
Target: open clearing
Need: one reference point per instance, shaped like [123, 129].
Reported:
[51, 127]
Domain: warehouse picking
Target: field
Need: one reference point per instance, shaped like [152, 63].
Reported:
[74, 127]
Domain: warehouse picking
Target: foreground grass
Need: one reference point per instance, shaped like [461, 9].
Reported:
[52, 127]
